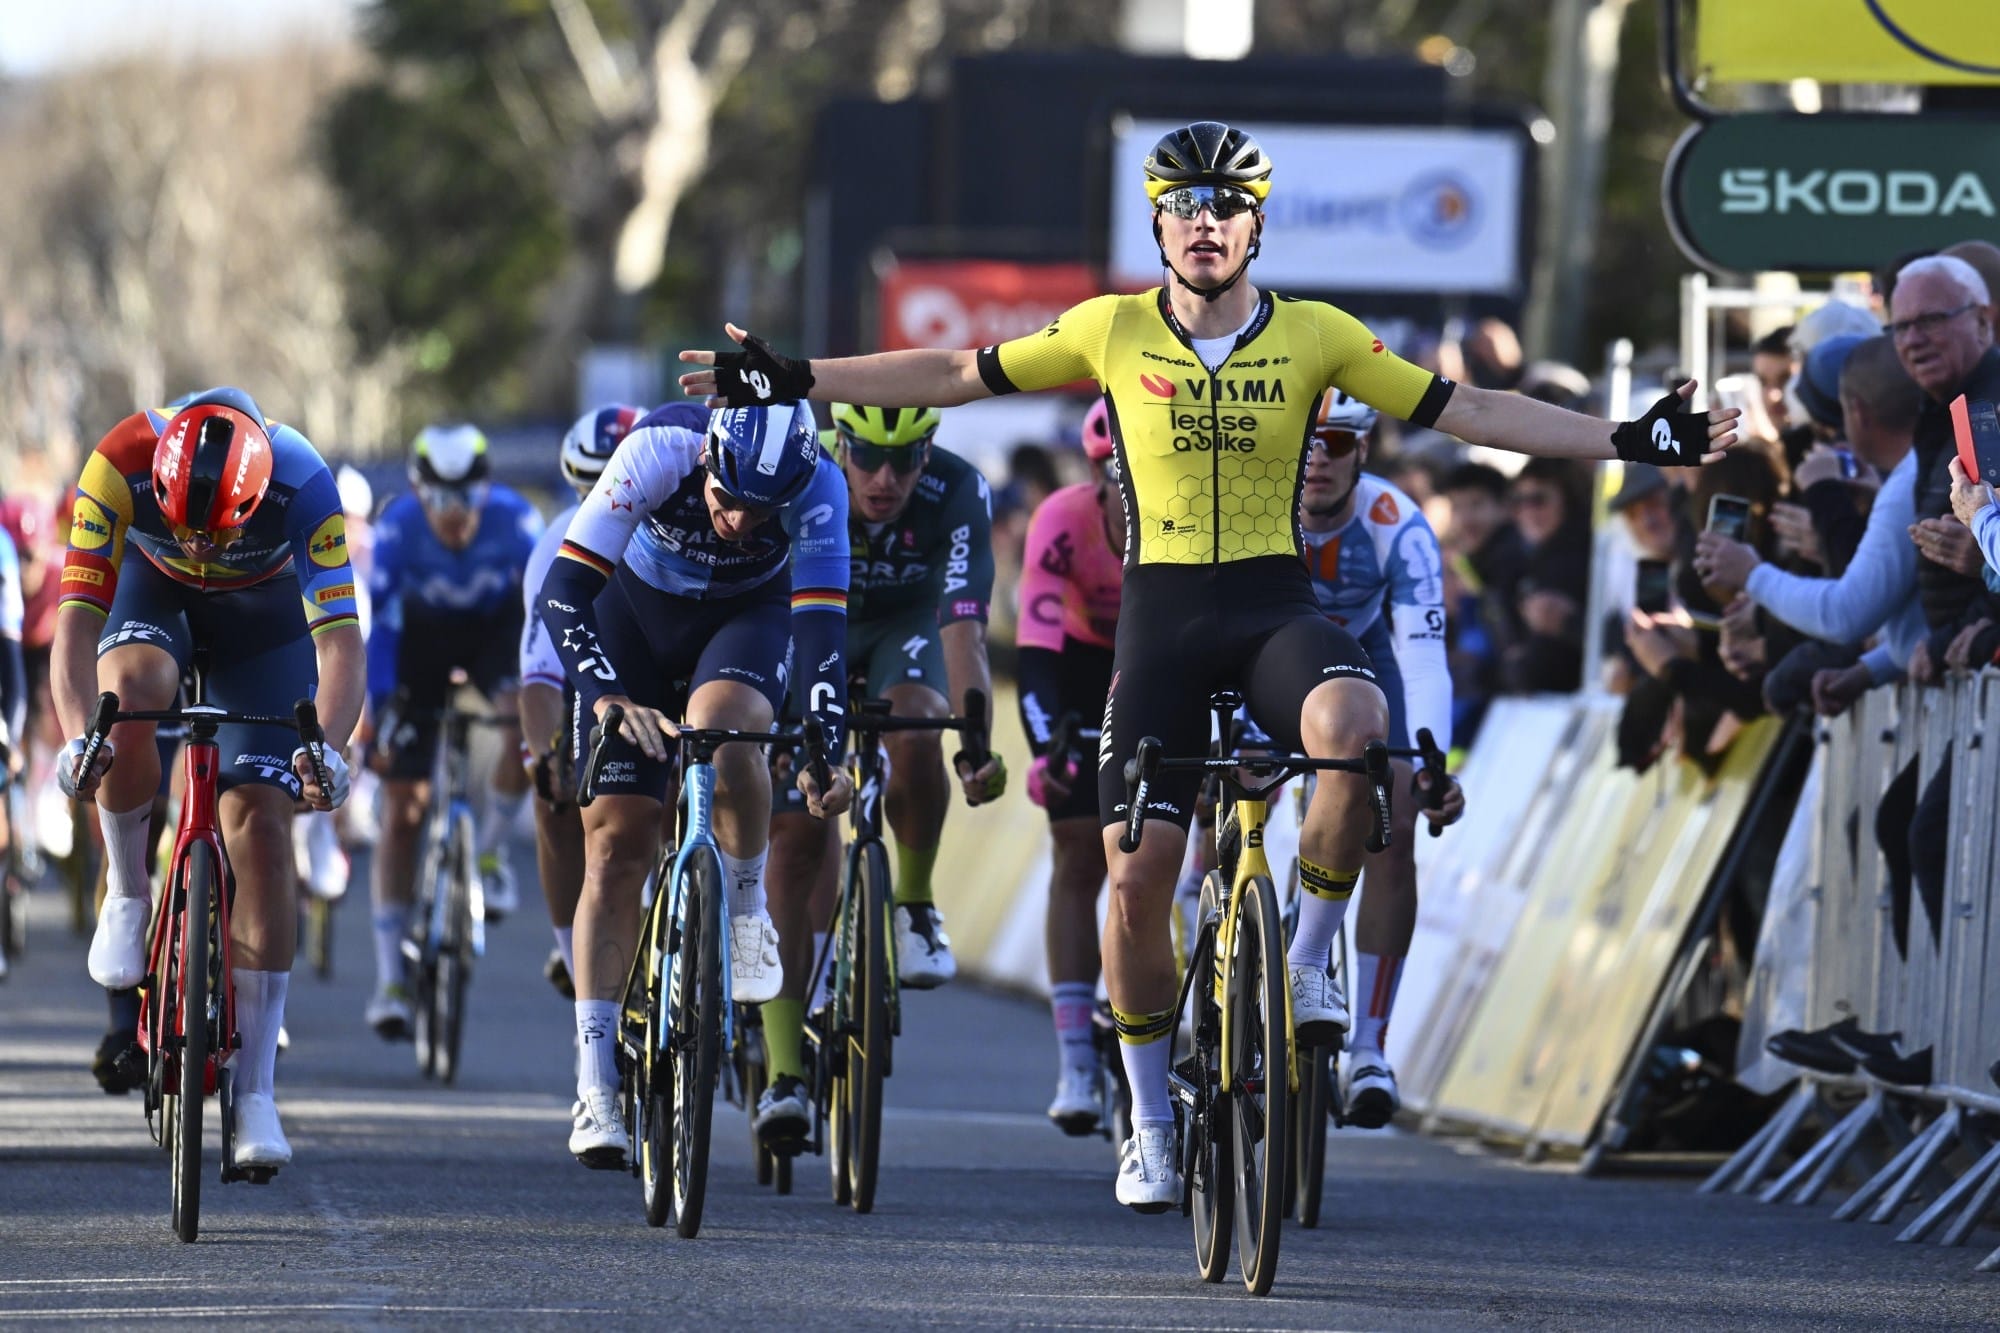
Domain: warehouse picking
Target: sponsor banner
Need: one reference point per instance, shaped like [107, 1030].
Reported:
[966, 303]
[1830, 193]
[1356, 208]
[1854, 41]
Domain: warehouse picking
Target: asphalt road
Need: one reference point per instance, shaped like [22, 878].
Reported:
[408, 1205]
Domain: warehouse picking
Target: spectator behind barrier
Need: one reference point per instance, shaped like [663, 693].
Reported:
[1984, 256]
[1549, 502]
[1649, 508]
[1874, 590]
[1484, 560]
[1771, 362]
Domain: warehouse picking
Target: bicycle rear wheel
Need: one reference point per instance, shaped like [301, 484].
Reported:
[1260, 1100]
[198, 900]
[1310, 1114]
[697, 1025]
[652, 1095]
[867, 1043]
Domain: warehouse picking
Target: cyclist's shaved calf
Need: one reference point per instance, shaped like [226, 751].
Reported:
[257, 829]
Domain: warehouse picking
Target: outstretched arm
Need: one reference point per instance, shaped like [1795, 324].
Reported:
[1530, 426]
[918, 377]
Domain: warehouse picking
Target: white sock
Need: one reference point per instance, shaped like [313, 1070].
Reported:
[1146, 1070]
[597, 1036]
[1375, 982]
[745, 881]
[502, 809]
[1071, 1003]
[260, 1012]
[126, 873]
[390, 923]
[566, 942]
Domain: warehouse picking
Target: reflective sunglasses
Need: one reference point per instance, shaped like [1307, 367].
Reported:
[903, 459]
[452, 499]
[1224, 201]
[1334, 443]
[731, 503]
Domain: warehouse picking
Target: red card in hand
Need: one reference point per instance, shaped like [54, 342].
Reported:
[1961, 429]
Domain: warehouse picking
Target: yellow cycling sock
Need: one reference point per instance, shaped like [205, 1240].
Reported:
[1333, 885]
[1142, 1029]
[785, 1037]
[913, 872]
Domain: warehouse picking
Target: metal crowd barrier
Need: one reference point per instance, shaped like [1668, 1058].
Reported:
[1936, 1143]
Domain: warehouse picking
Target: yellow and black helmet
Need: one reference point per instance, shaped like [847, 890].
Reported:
[1207, 153]
[886, 427]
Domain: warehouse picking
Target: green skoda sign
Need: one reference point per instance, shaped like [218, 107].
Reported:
[1831, 193]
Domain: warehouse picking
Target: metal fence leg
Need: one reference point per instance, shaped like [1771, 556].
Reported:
[1755, 1157]
[1878, 1184]
[1936, 1142]
[1825, 1156]
[1980, 1184]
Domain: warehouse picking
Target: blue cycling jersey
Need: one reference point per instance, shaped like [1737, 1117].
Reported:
[417, 576]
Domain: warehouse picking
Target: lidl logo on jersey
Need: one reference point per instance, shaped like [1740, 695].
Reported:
[328, 547]
[89, 526]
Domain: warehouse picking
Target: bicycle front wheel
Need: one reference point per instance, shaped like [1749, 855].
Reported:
[199, 890]
[1206, 1140]
[867, 1040]
[1260, 1100]
[454, 964]
[697, 1025]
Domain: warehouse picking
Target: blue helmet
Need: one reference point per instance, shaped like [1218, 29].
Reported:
[763, 456]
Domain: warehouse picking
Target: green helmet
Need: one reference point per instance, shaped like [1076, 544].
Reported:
[886, 427]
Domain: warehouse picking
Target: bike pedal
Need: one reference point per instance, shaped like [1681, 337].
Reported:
[259, 1175]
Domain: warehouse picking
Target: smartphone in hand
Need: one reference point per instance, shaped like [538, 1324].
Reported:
[1976, 428]
[1653, 587]
[1729, 515]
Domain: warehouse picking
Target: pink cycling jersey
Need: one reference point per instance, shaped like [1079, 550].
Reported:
[1070, 576]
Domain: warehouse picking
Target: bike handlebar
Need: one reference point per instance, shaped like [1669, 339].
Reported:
[704, 739]
[304, 720]
[1147, 763]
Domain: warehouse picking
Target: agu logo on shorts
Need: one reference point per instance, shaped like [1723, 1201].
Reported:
[90, 526]
[328, 547]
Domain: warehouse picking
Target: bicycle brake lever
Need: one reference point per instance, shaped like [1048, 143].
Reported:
[815, 733]
[1434, 764]
[313, 737]
[1375, 762]
[614, 718]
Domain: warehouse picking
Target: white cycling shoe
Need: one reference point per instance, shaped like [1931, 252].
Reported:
[118, 948]
[784, 1114]
[597, 1130]
[1369, 1096]
[1075, 1109]
[496, 883]
[923, 951]
[1319, 1007]
[260, 1139]
[1149, 1179]
[755, 974]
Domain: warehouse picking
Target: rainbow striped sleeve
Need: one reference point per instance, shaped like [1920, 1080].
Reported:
[820, 599]
[587, 558]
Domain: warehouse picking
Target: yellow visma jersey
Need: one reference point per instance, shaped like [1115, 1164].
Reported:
[1211, 463]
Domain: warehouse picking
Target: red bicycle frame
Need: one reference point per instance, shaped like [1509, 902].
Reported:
[201, 761]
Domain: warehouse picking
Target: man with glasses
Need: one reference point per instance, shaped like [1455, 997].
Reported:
[920, 542]
[220, 504]
[689, 573]
[1213, 387]
[450, 555]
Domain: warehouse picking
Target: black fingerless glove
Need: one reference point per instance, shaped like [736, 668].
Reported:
[1985, 647]
[758, 376]
[1667, 436]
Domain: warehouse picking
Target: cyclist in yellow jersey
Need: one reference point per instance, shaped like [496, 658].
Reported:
[1213, 387]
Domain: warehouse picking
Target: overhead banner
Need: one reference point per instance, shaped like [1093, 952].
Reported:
[1356, 208]
[963, 303]
[1849, 41]
[1831, 193]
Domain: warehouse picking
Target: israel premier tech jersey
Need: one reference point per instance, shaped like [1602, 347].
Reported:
[417, 576]
[298, 526]
[1211, 461]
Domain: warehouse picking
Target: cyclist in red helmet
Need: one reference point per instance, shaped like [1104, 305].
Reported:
[219, 504]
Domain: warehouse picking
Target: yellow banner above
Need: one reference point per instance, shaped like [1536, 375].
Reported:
[1848, 41]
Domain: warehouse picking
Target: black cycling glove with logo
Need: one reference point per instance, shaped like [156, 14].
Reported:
[759, 377]
[1669, 435]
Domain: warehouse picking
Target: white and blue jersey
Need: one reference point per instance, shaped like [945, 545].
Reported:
[1381, 578]
[648, 522]
[13, 673]
[539, 663]
[417, 579]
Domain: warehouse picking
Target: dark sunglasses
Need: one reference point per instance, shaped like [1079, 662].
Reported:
[902, 458]
[1224, 201]
[1334, 443]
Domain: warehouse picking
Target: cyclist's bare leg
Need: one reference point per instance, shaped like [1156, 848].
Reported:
[805, 854]
[264, 922]
[144, 677]
[1139, 970]
[621, 838]
[503, 806]
[1338, 719]
[559, 859]
[1386, 921]
[919, 793]
[392, 882]
[1077, 875]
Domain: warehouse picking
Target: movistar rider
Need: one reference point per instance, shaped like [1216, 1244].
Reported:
[1213, 387]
